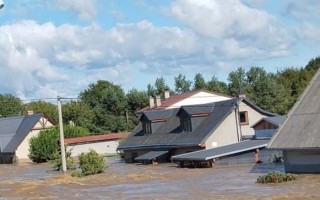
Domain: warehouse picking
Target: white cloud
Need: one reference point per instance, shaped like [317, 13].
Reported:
[85, 9]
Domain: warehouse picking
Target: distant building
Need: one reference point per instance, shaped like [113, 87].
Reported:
[266, 127]
[299, 136]
[15, 133]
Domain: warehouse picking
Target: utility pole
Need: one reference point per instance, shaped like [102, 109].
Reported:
[63, 151]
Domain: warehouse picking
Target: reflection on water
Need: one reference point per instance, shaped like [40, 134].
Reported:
[164, 181]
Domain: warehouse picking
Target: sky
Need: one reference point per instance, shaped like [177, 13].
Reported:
[51, 48]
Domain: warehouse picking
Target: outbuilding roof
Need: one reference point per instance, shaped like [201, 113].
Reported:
[276, 120]
[93, 138]
[13, 130]
[301, 130]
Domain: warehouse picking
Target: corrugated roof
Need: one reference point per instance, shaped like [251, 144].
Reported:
[301, 130]
[150, 155]
[170, 133]
[13, 130]
[226, 150]
[93, 138]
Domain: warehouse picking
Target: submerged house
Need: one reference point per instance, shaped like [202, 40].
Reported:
[266, 127]
[163, 133]
[299, 136]
[15, 133]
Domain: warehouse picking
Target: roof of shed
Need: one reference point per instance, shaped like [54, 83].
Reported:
[301, 130]
[226, 150]
[13, 130]
[93, 138]
[276, 120]
[170, 134]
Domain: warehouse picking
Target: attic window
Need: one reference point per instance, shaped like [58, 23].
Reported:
[185, 124]
[146, 126]
[243, 117]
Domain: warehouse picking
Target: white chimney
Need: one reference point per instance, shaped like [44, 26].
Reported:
[151, 102]
[242, 95]
[158, 101]
[30, 112]
[166, 94]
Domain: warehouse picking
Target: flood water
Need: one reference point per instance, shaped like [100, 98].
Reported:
[163, 181]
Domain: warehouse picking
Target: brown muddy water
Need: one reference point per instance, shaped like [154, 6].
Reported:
[163, 181]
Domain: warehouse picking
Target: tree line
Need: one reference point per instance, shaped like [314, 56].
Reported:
[104, 107]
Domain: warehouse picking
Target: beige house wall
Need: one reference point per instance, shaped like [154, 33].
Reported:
[22, 151]
[253, 117]
[104, 147]
[225, 134]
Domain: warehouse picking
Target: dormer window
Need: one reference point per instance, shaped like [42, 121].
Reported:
[146, 126]
[186, 124]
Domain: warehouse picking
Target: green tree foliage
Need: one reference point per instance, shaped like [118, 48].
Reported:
[161, 86]
[45, 146]
[10, 105]
[91, 163]
[313, 65]
[136, 100]
[237, 82]
[79, 113]
[199, 82]
[48, 109]
[71, 131]
[217, 86]
[181, 84]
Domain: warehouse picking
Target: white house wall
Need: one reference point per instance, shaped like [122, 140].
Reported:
[199, 98]
[253, 117]
[22, 151]
[225, 134]
[102, 148]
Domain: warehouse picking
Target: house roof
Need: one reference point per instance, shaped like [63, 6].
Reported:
[226, 150]
[169, 134]
[93, 138]
[276, 120]
[13, 130]
[301, 130]
[258, 109]
[177, 98]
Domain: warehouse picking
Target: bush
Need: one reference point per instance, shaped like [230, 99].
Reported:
[57, 163]
[45, 146]
[277, 157]
[91, 163]
[276, 177]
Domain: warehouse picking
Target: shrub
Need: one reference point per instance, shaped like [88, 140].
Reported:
[57, 163]
[277, 157]
[91, 163]
[276, 177]
[76, 174]
[45, 146]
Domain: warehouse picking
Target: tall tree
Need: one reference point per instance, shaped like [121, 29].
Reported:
[46, 108]
[215, 85]
[199, 82]
[181, 84]
[136, 100]
[161, 86]
[10, 105]
[237, 82]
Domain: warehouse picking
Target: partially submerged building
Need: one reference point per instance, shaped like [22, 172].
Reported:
[15, 133]
[163, 133]
[299, 136]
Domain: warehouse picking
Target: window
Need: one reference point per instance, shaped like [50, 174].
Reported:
[146, 126]
[243, 117]
[185, 124]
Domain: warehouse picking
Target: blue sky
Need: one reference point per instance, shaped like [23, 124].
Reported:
[58, 47]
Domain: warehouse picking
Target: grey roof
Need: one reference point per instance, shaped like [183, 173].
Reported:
[301, 130]
[258, 109]
[169, 134]
[14, 129]
[226, 150]
[150, 155]
[157, 114]
[276, 120]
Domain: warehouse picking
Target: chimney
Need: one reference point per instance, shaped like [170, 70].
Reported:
[166, 94]
[30, 112]
[242, 95]
[158, 101]
[151, 102]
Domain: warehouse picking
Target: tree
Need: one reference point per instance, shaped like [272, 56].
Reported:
[79, 113]
[161, 86]
[10, 105]
[181, 84]
[237, 82]
[136, 100]
[46, 108]
[215, 85]
[199, 82]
